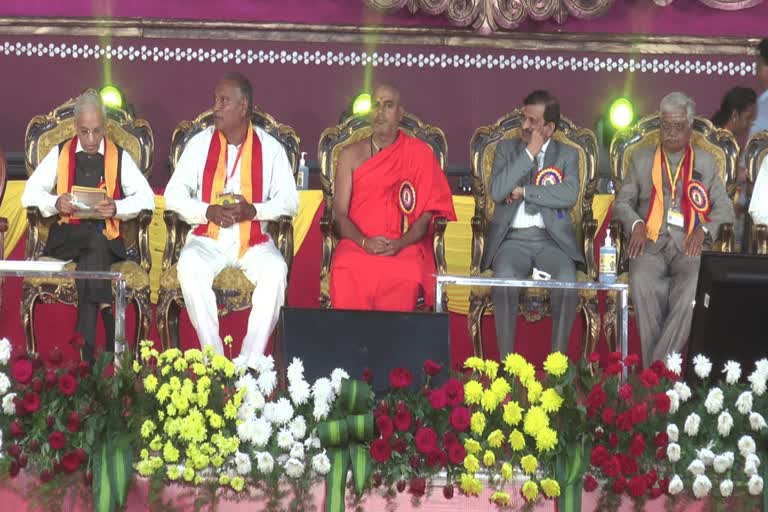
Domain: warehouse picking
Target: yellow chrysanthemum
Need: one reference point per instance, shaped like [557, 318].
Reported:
[516, 440]
[491, 369]
[535, 420]
[472, 446]
[163, 393]
[215, 421]
[495, 438]
[550, 487]
[471, 464]
[230, 411]
[136, 367]
[530, 490]
[513, 363]
[170, 453]
[237, 483]
[534, 391]
[501, 387]
[490, 401]
[475, 363]
[217, 461]
[171, 410]
[546, 439]
[175, 383]
[489, 458]
[147, 428]
[500, 498]
[150, 383]
[228, 340]
[526, 374]
[529, 464]
[180, 364]
[189, 474]
[172, 472]
[193, 355]
[551, 400]
[506, 471]
[144, 454]
[223, 479]
[470, 485]
[473, 392]
[513, 413]
[556, 364]
[144, 468]
[156, 444]
[165, 371]
[477, 423]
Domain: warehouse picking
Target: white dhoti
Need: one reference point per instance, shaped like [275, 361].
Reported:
[202, 259]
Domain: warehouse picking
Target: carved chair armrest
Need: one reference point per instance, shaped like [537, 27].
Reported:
[617, 239]
[177, 235]
[3, 224]
[285, 239]
[761, 239]
[589, 228]
[438, 245]
[145, 256]
[478, 244]
[725, 238]
[326, 228]
[34, 217]
[3, 229]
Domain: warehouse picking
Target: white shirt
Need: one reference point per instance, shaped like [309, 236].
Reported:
[40, 190]
[758, 206]
[279, 196]
[522, 219]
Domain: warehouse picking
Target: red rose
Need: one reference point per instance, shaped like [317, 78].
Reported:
[37, 385]
[417, 486]
[661, 439]
[22, 371]
[402, 418]
[367, 375]
[448, 491]
[639, 413]
[31, 401]
[34, 445]
[22, 461]
[614, 357]
[619, 485]
[663, 403]
[426, 440]
[625, 392]
[649, 378]
[380, 450]
[658, 367]
[67, 384]
[594, 357]
[50, 379]
[613, 439]
[597, 396]
[13, 469]
[437, 399]
[400, 485]
[73, 422]
[432, 368]
[590, 484]
[84, 370]
[651, 477]
[454, 392]
[55, 357]
[664, 484]
[638, 486]
[57, 440]
[656, 492]
[456, 454]
[612, 369]
[400, 378]
[77, 341]
[449, 439]
[382, 409]
[81, 454]
[599, 455]
[14, 450]
[628, 465]
[415, 461]
[49, 421]
[631, 360]
[624, 421]
[398, 444]
[46, 476]
[16, 429]
[459, 419]
[70, 462]
[608, 415]
[637, 446]
[591, 411]
[661, 453]
[437, 459]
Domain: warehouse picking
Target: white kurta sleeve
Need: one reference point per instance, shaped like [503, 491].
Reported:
[138, 194]
[283, 198]
[181, 193]
[758, 206]
[40, 190]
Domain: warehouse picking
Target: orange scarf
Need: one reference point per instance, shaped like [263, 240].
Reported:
[251, 185]
[65, 178]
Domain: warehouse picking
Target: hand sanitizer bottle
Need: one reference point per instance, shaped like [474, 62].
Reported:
[302, 179]
[608, 261]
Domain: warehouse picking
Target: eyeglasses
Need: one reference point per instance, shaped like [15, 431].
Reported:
[679, 126]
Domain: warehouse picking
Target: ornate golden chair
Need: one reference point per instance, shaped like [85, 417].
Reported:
[233, 290]
[717, 142]
[754, 154]
[533, 303]
[44, 132]
[336, 138]
[3, 220]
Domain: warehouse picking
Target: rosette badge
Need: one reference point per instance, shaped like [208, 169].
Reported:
[699, 197]
[549, 176]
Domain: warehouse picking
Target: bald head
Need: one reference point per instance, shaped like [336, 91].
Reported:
[386, 112]
[388, 90]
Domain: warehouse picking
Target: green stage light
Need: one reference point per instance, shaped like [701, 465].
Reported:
[362, 104]
[621, 113]
[112, 96]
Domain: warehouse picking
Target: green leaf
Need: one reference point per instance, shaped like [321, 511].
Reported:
[120, 470]
[103, 497]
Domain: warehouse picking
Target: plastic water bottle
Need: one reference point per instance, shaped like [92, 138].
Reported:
[608, 261]
[302, 179]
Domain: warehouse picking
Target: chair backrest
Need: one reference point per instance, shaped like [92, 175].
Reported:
[718, 142]
[357, 128]
[46, 131]
[482, 148]
[754, 153]
[3, 174]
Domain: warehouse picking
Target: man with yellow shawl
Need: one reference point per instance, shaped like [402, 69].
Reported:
[672, 202]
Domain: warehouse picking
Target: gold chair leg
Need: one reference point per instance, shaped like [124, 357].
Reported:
[161, 318]
[591, 330]
[28, 319]
[477, 307]
[609, 321]
[174, 312]
[143, 318]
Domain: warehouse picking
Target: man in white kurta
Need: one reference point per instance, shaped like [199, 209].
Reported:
[203, 256]
[758, 206]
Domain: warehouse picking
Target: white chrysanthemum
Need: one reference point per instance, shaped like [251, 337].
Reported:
[751, 463]
[246, 429]
[759, 382]
[675, 485]
[294, 468]
[262, 431]
[337, 376]
[9, 407]
[732, 371]
[674, 401]
[241, 365]
[321, 411]
[726, 488]
[283, 412]
[322, 391]
[320, 463]
[5, 383]
[706, 456]
[692, 423]
[264, 364]
[714, 401]
[673, 432]
[701, 486]
[246, 382]
[755, 485]
[724, 423]
[756, 421]
[284, 439]
[242, 463]
[673, 452]
[696, 467]
[702, 366]
[297, 451]
[267, 382]
[295, 371]
[5, 351]
[723, 462]
[683, 390]
[312, 442]
[746, 445]
[744, 402]
[298, 428]
[761, 366]
[265, 462]
[300, 392]
[256, 400]
[675, 363]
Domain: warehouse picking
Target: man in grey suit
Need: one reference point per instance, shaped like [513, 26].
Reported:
[668, 230]
[535, 183]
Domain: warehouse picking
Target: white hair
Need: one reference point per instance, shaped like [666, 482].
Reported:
[676, 101]
[88, 100]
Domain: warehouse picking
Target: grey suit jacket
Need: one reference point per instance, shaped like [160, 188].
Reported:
[634, 197]
[511, 168]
